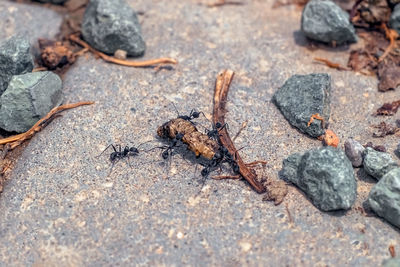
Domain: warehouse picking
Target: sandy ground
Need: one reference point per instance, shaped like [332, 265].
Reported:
[61, 206]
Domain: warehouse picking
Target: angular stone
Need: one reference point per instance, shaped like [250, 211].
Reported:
[109, 25]
[15, 59]
[384, 198]
[354, 151]
[28, 98]
[377, 163]
[325, 175]
[395, 19]
[302, 96]
[324, 21]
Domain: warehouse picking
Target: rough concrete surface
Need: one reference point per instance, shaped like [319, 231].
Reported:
[59, 205]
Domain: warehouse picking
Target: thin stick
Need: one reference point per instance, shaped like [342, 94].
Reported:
[18, 139]
[122, 62]
[224, 2]
[223, 177]
[224, 79]
[392, 36]
[331, 64]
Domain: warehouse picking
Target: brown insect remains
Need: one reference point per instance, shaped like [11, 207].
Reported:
[199, 143]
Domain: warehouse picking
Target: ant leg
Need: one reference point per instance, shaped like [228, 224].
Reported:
[105, 150]
[129, 163]
[112, 166]
[191, 113]
[176, 109]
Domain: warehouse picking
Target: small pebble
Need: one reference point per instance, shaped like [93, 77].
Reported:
[384, 198]
[120, 54]
[354, 151]
[324, 21]
[377, 163]
[325, 175]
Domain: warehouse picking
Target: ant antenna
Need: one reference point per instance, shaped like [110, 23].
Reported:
[176, 109]
[150, 141]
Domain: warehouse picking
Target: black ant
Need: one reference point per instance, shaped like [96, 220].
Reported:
[174, 143]
[193, 114]
[220, 157]
[120, 153]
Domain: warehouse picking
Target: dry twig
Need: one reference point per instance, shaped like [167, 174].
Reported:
[14, 141]
[220, 98]
[331, 64]
[128, 63]
[224, 2]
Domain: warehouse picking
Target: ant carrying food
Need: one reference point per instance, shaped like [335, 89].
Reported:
[214, 133]
[220, 157]
[168, 149]
[193, 115]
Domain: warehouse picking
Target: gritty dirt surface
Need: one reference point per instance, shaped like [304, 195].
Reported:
[61, 206]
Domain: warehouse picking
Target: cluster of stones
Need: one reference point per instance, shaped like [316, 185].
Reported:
[110, 26]
[25, 96]
[384, 198]
[326, 174]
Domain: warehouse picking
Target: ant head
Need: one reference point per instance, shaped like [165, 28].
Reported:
[165, 154]
[134, 150]
[179, 136]
[205, 172]
[218, 125]
[195, 114]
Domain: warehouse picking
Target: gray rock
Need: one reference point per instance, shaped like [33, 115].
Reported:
[15, 59]
[28, 98]
[394, 21]
[392, 262]
[384, 198]
[377, 163]
[325, 175]
[324, 21]
[302, 96]
[354, 151]
[57, 2]
[397, 150]
[109, 25]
